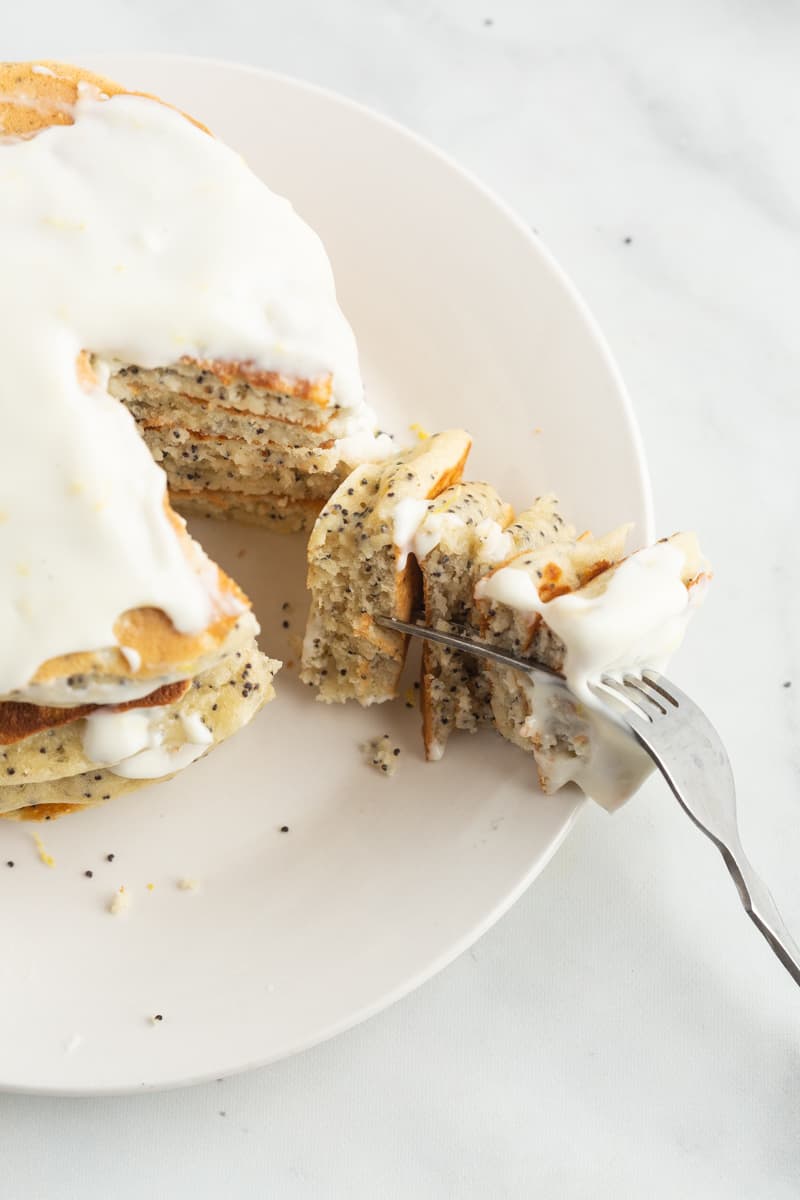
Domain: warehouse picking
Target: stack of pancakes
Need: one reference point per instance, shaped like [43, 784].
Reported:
[189, 691]
[234, 439]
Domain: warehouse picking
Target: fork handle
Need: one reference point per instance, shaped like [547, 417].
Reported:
[762, 909]
[754, 894]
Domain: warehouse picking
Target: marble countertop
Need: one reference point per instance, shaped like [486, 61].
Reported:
[623, 1032]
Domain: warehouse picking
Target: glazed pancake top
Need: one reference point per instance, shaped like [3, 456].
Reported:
[128, 233]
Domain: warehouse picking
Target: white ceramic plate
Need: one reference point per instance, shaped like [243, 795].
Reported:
[462, 319]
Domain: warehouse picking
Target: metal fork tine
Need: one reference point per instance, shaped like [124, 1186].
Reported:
[674, 695]
[470, 646]
[641, 686]
[632, 703]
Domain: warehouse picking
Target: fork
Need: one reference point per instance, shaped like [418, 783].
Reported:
[688, 752]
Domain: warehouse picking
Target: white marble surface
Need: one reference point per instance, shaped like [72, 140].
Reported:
[623, 1033]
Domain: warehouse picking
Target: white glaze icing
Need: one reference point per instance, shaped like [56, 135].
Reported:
[429, 532]
[495, 543]
[109, 737]
[197, 732]
[363, 445]
[131, 744]
[418, 530]
[136, 236]
[407, 516]
[158, 762]
[637, 620]
[513, 587]
[132, 657]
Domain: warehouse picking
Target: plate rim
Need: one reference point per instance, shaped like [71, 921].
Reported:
[578, 802]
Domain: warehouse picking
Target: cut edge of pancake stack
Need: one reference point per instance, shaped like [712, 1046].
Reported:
[250, 446]
[433, 550]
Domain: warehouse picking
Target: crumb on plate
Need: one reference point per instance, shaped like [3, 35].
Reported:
[119, 903]
[44, 857]
[381, 754]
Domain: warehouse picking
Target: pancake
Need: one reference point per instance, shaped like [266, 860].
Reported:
[460, 537]
[19, 720]
[359, 567]
[53, 768]
[243, 386]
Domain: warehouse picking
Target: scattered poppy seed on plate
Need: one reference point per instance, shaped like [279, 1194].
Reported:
[89, 874]
[788, 683]
[10, 863]
[109, 858]
[284, 829]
